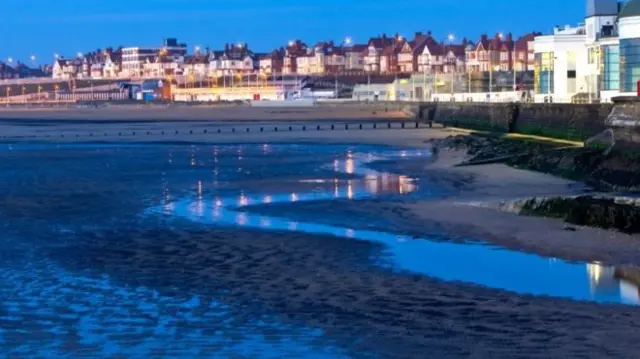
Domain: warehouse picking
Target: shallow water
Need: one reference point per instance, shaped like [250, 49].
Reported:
[474, 263]
[104, 253]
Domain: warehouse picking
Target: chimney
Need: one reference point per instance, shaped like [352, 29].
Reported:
[418, 34]
[484, 37]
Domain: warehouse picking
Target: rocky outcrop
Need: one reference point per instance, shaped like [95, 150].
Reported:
[587, 211]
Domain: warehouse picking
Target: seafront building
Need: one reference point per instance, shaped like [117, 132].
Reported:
[589, 62]
[594, 61]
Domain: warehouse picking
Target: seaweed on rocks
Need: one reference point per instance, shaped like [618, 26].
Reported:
[587, 211]
[483, 147]
[618, 170]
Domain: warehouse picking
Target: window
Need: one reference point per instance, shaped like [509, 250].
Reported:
[629, 63]
[610, 67]
[543, 79]
[594, 54]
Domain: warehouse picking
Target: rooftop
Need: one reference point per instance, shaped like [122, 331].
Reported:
[631, 9]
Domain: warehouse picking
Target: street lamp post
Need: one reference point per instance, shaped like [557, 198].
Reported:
[451, 37]
[491, 66]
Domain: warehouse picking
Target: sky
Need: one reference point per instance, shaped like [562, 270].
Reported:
[44, 27]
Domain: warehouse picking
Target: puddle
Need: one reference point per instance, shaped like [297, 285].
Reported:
[481, 264]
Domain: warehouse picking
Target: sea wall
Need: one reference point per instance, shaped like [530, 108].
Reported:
[567, 121]
[624, 122]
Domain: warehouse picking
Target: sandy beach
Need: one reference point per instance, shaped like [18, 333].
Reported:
[195, 113]
[322, 281]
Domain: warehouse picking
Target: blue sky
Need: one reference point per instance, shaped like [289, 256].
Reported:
[45, 27]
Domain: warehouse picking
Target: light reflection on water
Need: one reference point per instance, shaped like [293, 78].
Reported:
[471, 262]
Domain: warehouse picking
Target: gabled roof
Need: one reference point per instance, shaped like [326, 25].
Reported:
[522, 44]
[115, 57]
[432, 46]
[6, 69]
[196, 59]
[356, 48]
[296, 48]
[273, 55]
[380, 42]
[458, 50]
[336, 51]
[24, 70]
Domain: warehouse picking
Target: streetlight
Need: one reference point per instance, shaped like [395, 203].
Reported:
[491, 80]
[197, 48]
[348, 40]
[451, 38]
[491, 49]
[10, 60]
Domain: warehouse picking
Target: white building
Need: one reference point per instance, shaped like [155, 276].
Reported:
[629, 49]
[561, 65]
[135, 58]
[601, 59]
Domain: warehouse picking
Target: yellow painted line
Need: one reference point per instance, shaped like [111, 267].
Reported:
[547, 139]
[520, 135]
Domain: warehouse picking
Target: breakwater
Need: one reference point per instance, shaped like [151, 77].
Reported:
[566, 121]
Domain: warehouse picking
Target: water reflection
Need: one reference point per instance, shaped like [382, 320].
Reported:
[474, 263]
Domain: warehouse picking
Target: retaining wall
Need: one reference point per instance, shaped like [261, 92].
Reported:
[567, 121]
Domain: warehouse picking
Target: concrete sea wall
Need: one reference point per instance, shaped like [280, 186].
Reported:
[567, 121]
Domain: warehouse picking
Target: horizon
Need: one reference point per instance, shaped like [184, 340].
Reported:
[69, 28]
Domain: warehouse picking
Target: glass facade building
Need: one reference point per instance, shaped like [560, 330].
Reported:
[543, 81]
[610, 67]
[629, 64]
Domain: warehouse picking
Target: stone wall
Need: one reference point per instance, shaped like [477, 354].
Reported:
[624, 121]
[567, 121]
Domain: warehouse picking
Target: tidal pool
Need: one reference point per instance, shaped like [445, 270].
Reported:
[482, 264]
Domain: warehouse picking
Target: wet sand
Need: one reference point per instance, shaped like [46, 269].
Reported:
[326, 282]
[196, 113]
[485, 184]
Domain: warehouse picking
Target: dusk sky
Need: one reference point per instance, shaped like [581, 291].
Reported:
[45, 27]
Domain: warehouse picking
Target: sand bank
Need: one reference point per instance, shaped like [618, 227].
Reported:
[196, 113]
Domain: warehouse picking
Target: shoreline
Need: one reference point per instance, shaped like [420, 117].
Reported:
[199, 113]
[467, 214]
[459, 214]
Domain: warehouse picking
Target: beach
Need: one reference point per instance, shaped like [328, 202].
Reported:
[320, 280]
[182, 112]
